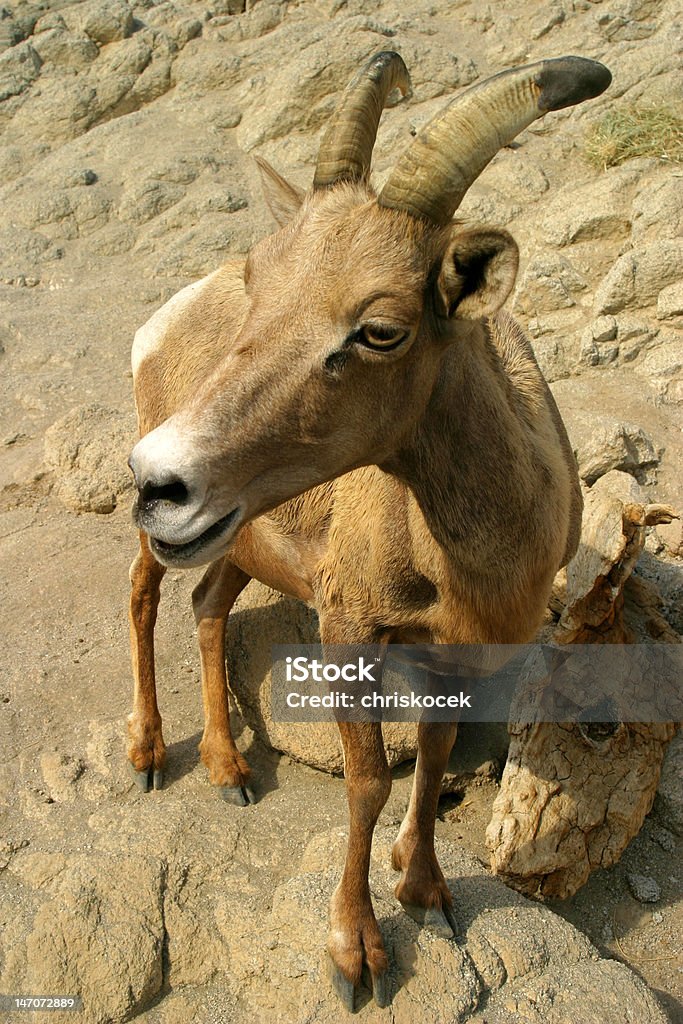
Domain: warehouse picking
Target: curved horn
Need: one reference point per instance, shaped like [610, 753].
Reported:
[433, 175]
[346, 148]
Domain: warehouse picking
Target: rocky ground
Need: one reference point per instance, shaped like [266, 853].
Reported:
[128, 131]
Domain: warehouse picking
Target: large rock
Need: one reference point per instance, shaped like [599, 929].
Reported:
[593, 210]
[19, 67]
[88, 449]
[548, 283]
[657, 210]
[121, 926]
[144, 200]
[602, 443]
[669, 804]
[99, 934]
[63, 109]
[574, 793]
[63, 49]
[513, 960]
[638, 276]
[262, 618]
[302, 96]
[108, 22]
[670, 302]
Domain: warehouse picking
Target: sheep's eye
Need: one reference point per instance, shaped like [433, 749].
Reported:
[382, 336]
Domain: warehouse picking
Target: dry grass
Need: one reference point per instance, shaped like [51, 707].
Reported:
[635, 131]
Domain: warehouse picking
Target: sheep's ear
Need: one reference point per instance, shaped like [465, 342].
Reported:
[283, 199]
[477, 273]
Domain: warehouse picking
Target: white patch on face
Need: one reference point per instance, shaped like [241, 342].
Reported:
[149, 337]
[166, 453]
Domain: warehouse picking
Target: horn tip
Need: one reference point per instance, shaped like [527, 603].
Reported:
[566, 81]
[385, 60]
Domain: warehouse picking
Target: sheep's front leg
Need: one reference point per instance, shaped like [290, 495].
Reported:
[354, 936]
[146, 748]
[212, 601]
[422, 889]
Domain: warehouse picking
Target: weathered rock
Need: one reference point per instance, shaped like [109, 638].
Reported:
[184, 30]
[512, 956]
[10, 31]
[63, 49]
[48, 22]
[517, 175]
[100, 934]
[575, 792]
[661, 365]
[634, 336]
[108, 22]
[604, 329]
[63, 110]
[300, 99]
[554, 355]
[669, 804]
[201, 68]
[61, 771]
[202, 249]
[670, 303]
[19, 67]
[88, 450]
[598, 342]
[638, 276]
[258, 21]
[147, 199]
[119, 73]
[594, 210]
[548, 283]
[612, 537]
[643, 887]
[657, 210]
[115, 926]
[262, 618]
[602, 443]
[20, 250]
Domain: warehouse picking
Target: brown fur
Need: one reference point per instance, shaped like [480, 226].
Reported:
[425, 494]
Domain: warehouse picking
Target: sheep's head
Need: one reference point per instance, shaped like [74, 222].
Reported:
[351, 307]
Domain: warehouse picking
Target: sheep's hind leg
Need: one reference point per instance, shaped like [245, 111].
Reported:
[422, 890]
[146, 748]
[212, 600]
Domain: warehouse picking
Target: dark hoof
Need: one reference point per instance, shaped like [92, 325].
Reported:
[151, 778]
[439, 922]
[452, 919]
[141, 779]
[344, 988]
[240, 796]
[381, 989]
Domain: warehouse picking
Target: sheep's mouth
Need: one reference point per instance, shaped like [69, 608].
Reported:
[177, 553]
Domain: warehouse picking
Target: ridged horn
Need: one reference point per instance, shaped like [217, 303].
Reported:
[346, 148]
[433, 175]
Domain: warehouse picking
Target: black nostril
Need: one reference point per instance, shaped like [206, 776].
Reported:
[174, 491]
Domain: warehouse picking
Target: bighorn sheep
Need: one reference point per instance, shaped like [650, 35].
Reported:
[347, 417]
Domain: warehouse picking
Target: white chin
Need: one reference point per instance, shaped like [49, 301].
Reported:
[209, 545]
